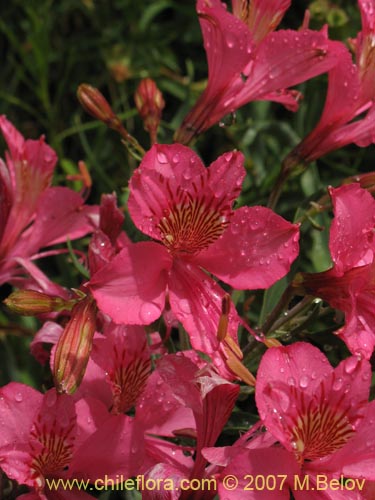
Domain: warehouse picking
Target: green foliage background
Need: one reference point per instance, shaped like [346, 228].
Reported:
[49, 47]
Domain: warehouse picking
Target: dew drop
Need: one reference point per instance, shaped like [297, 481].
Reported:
[162, 158]
[351, 364]
[230, 39]
[294, 445]
[176, 158]
[186, 174]
[18, 397]
[228, 102]
[149, 312]
[291, 381]
[304, 382]
[337, 384]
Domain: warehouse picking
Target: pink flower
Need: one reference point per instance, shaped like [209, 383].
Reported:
[49, 436]
[119, 368]
[321, 423]
[350, 95]
[350, 284]
[187, 209]
[211, 400]
[33, 215]
[248, 62]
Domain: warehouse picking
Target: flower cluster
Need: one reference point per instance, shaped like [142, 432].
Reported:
[149, 359]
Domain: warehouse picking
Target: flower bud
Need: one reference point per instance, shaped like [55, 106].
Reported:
[96, 105]
[32, 303]
[150, 103]
[74, 346]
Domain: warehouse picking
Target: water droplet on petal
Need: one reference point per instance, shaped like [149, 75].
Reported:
[351, 364]
[291, 381]
[186, 174]
[294, 445]
[228, 102]
[18, 397]
[337, 384]
[149, 312]
[176, 158]
[162, 158]
[230, 39]
[304, 382]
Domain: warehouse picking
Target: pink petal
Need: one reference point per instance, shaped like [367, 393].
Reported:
[268, 462]
[342, 101]
[13, 137]
[196, 299]
[361, 132]
[48, 334]
[168, 474]
[256, 250]
[35, 279]
[352, 376]
[165, 172]
[125, 358]
[359, 331]
[31, 165]
[180, 373]
[261, 17]
[131, 289]
[125, 440]
[217, 408]
[101, 251]
[19, 405]
[288, 98]
[367, 9]
[229, 47]
[111, 217]
[91, 414]
[351, 240]
[158, 410]
[357, 457]
[227, 41]
[160, 451]
[226, 175]
[286, 58]
[352, 293]
[6, 196]
[61, 215]
[280, 375]
[95, 385]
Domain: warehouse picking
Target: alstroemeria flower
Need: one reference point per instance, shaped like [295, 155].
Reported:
[33, 215]
[50, 437]
[211, 400]
[187, 209]
[119, 367]
[321, 423]
[350, 284]
[247, 61]
[350, 94]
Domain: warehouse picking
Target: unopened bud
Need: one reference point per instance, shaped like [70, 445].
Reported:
[32, 303]
[150, 103]
[96, 105]
[74, 346]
